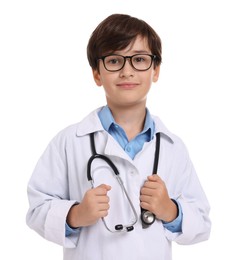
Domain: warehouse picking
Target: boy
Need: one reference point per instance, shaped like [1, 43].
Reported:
[75, 199]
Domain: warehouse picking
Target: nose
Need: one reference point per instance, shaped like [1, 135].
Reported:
[127, 69]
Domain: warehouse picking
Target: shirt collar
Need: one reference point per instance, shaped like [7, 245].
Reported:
[106, 118]
[107, 121]
[92, 123]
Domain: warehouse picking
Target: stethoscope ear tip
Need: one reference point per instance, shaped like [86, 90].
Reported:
[130, 228]
[119, 227]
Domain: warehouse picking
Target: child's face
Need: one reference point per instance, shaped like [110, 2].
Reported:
[127, 86]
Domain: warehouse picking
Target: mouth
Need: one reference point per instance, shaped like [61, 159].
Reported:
[127, 85]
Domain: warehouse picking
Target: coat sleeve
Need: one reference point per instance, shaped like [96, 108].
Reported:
[49, 196]
[196, 224]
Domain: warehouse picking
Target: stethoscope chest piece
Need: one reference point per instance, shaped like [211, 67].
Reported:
[147, 218]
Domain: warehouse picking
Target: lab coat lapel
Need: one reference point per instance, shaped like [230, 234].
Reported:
[112, 148]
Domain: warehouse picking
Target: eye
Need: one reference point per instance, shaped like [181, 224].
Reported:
[113, 60]
[139, 59]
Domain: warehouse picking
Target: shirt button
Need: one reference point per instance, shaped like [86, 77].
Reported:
[128, 149]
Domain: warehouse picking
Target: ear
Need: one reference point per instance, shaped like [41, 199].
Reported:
[156, 73]
[96, 77]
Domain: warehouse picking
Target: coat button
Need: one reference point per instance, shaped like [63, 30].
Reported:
[132, 172]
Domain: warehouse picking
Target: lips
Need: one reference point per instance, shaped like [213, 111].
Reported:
[127, 85]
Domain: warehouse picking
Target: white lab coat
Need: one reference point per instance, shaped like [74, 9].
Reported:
[60, 180]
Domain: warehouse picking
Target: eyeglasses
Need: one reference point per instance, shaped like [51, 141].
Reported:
[140, 62]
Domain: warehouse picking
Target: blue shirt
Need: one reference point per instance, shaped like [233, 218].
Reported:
[132, 148]
[116, 131]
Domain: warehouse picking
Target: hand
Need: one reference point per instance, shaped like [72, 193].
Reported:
[95, 205]
[154, 197]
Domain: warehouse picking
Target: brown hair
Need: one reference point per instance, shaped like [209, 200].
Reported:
[116, 32]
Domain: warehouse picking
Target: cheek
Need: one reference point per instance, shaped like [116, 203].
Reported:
[148, 78]
[108, 79]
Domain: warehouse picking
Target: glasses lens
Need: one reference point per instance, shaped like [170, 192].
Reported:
[141, 61]
[113, 62]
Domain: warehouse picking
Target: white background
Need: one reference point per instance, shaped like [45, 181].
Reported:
[46, 84]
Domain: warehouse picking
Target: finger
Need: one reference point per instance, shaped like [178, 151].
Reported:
[103, 199]
[103, 213]
[147, 191]
[105, 186]
[145, 205]
[102, 189]
[151, 185]
[104, 207]
[151, 192]
[155, 177]
[146, 198]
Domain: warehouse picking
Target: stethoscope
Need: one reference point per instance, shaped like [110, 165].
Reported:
[147, 217]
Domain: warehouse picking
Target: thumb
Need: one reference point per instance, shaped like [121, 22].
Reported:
[105, 186]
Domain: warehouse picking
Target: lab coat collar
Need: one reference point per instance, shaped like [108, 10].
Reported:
[160, 127]
[92, 123]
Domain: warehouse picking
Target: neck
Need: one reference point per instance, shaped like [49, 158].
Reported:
[130, 119]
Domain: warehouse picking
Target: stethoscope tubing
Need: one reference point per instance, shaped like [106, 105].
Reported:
[147, 217]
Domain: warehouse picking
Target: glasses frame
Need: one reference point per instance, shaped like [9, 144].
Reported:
[153, 57]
